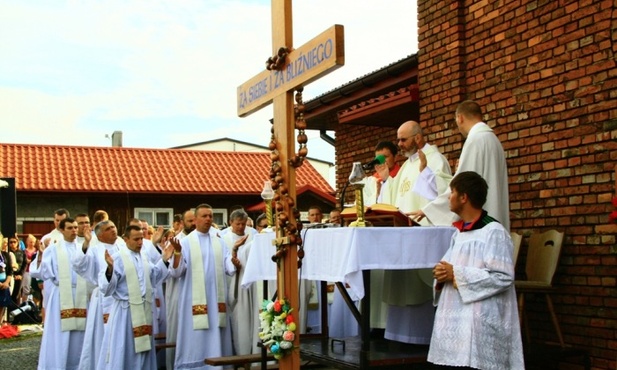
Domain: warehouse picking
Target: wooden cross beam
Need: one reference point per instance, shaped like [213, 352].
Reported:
[320, 56]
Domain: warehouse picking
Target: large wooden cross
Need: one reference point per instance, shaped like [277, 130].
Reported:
[320, 56]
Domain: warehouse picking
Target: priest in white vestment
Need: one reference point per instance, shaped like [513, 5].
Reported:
[477, 323]
[88, 263]
[65, 318]
[204, 328]
[483, 154]
[244, 303]
[373, 183]
[53, 237]
[171, 294]
[153, 251]
[408, 293]
[371, 190]
[130, 279]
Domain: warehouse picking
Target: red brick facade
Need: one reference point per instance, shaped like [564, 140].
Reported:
[545, 74]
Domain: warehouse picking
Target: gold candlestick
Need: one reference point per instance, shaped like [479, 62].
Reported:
[360, 222]
[267, 194]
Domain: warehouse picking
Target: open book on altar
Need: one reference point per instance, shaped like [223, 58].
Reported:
[379, 214]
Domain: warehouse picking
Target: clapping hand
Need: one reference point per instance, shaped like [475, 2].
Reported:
[109, 260]
[175, 243]
[240, 242]
[167, 252]
[88, 233]
[158, 235]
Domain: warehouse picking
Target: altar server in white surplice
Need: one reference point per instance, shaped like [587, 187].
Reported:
[476, 324]
[483, 154]
[130, 279]
[65, 318]
[88, 262]
[422, 176]
[201, 267]
[171, 294]
[244, 304]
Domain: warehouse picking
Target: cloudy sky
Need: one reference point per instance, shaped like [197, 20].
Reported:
[165, 73]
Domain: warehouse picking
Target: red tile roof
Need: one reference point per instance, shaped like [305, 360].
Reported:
[45, 168]
[258, 207]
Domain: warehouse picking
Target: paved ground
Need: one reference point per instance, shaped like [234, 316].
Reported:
[21, 352]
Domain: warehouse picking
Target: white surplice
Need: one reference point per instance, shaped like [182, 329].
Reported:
[154, 252]
[245, 303]
[54, 237]
[477, 324]
[193, 346]
[59, 349]
[171, 313]
[118, 347]
[482, 153]
[408, 293]
[88, 266]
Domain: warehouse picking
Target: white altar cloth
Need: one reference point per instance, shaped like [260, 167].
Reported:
[341, 253]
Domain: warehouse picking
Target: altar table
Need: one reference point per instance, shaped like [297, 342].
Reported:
[346, 255]
[342, 253]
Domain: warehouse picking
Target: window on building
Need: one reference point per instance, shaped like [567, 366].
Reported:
[155, 216]
[220, 216]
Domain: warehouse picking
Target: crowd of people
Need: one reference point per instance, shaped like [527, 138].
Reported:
[16, 284]
[109, 299]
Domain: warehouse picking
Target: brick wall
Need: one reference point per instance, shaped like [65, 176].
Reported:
[546, 75]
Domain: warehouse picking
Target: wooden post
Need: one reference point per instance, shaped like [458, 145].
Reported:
[316, 58]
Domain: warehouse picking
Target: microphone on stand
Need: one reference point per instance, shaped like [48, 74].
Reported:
[379, 159]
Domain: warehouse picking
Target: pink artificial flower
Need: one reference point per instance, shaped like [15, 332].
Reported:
[289, 336]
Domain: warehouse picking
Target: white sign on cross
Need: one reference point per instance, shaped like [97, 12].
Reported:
[319, 56]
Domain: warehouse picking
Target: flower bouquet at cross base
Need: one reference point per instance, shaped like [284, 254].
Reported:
[277, 327]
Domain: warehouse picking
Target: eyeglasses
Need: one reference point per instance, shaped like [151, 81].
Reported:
[12, 241]
[403, 139]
